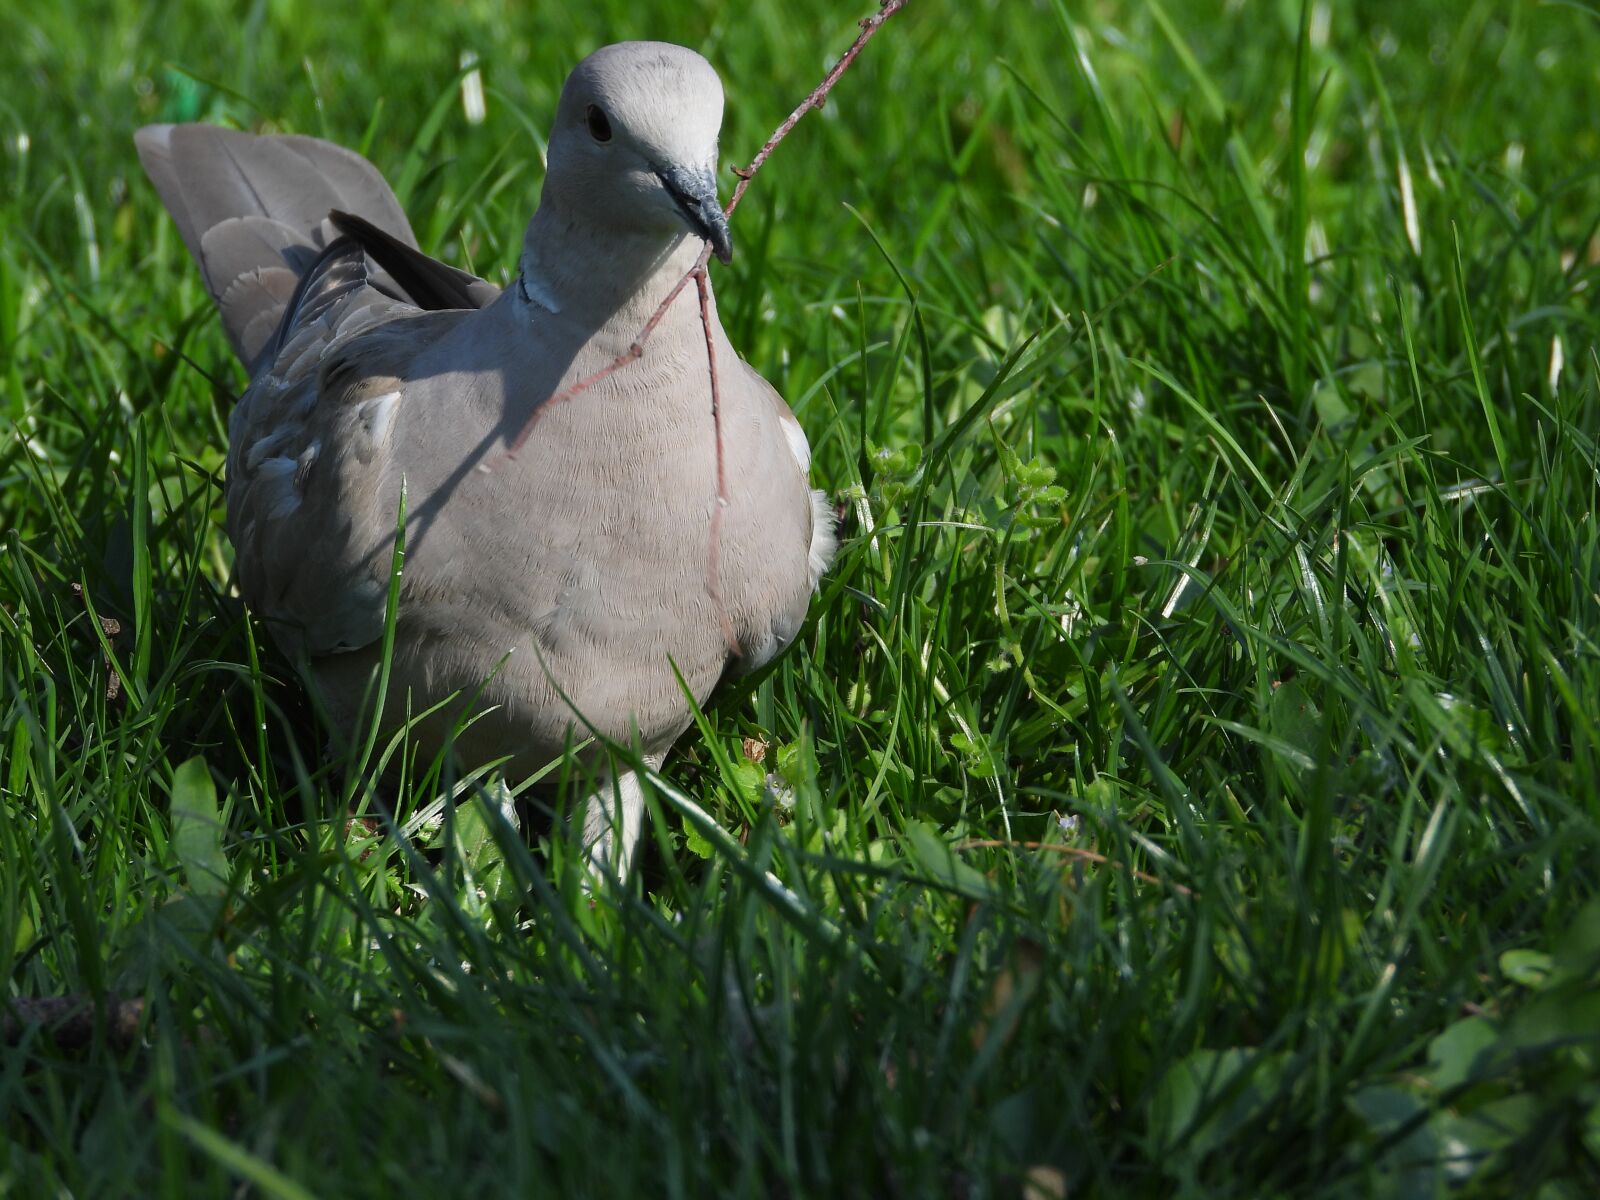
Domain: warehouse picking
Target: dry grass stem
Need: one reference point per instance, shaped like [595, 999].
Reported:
[1070, 852]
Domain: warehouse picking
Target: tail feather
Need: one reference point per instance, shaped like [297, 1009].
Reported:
[249, 207]
[154, 143]
[239, 244]
[257, 299]
[357, 182]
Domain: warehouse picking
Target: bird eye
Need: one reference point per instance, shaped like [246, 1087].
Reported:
[599, 127]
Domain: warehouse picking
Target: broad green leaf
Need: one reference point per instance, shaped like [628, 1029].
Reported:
[197, 829]
[940, 862]
[1461, 1051]
[1577, 951]
[1530, 968]
[1208, 1096]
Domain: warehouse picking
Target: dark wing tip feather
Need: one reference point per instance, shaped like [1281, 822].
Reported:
[427, 282]
[337, 272]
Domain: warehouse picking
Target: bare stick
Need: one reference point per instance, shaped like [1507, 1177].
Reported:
[713, 564]
[869, 26]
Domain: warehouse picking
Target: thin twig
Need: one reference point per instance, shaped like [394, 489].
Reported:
[869, 26]
[1071, 852]
[713, 564]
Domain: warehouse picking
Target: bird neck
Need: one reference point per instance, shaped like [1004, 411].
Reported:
[600, 279]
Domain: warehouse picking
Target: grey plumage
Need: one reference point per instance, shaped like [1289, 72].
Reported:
[253, 212]
[563, 586]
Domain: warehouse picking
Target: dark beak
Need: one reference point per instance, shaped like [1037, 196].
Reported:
[696, 196]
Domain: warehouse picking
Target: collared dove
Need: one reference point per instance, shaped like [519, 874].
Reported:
[555, 588]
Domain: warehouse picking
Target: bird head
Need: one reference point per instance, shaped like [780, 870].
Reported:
[635, 142]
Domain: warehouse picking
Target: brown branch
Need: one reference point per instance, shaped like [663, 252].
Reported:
[1071, 852]
[869, 26]
[72, 1022]
[713, 560]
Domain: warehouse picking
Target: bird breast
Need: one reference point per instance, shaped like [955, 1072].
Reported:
[578, 575]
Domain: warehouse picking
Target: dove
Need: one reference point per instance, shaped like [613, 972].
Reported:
[546, 595]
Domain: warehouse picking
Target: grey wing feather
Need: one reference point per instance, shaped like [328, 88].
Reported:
[247, 206]
[257, 299]
[232, 247]
[307, 513]
[232, 174]
[332, 301]
[311, 496]
[329, 333]
[824, 528]
[154, 143]
[360, 187]
[427, 282]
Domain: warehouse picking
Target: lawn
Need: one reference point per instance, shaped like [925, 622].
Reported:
[1187, 782]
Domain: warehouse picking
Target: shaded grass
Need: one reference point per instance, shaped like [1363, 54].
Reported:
[1212, 396]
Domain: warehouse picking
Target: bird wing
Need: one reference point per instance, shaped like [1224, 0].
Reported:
[824, 534]
[427, 282]
[258, 211]
[326, 300]
[312, 534]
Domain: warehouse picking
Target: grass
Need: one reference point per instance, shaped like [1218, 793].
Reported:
[1213, 393]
